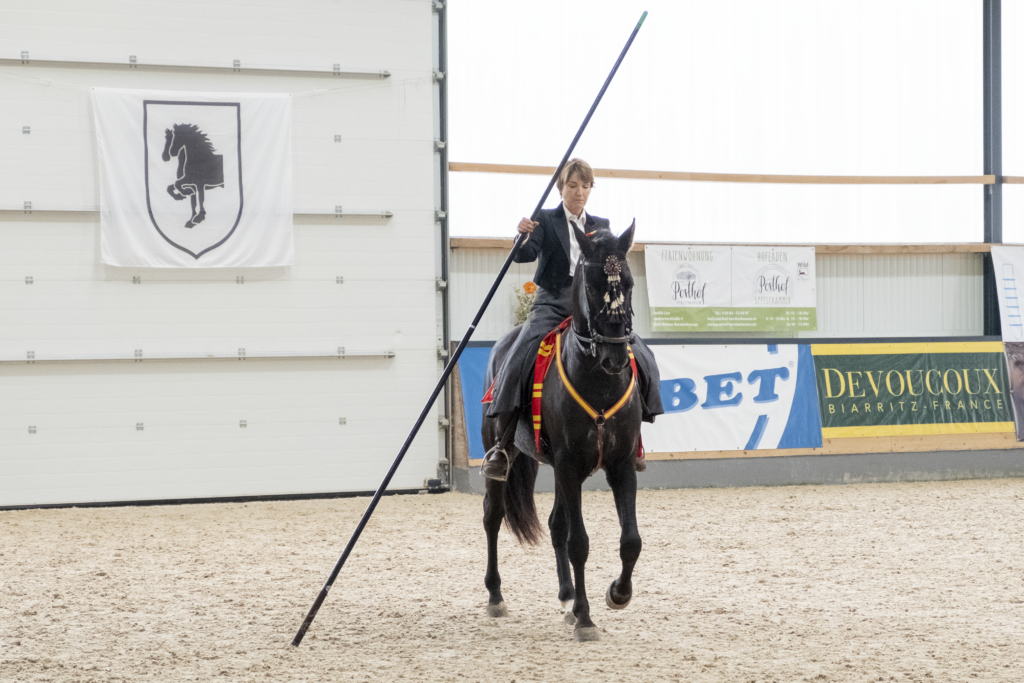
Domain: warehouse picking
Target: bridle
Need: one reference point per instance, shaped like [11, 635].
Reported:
[615, 305]
[588, 342]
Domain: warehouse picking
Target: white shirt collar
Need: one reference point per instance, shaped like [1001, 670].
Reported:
[574, 247]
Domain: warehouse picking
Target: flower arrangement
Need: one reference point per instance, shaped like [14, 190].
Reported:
[524, 302]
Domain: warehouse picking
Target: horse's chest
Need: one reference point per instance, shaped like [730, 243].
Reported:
[567, 423]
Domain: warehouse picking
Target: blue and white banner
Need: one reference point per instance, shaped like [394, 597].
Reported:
[1008, 263]
[735, 397]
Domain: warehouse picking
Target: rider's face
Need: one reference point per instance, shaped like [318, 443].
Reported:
[575, 194]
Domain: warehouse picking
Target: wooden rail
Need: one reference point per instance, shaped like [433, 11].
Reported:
[505, 243]
[459, 167]
[855, 446]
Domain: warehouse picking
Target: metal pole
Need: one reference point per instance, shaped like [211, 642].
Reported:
[441, 10]
[322, 595]
[992, 79]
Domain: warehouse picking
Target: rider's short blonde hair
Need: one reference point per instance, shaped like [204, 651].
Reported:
[580, 168]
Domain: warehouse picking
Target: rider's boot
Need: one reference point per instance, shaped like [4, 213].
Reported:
[497, 461]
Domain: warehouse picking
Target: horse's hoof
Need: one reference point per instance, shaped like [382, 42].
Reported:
[586, 635]
[612, 603]
[189, 224]
[570, 618]
[498, 610]
[199, 219]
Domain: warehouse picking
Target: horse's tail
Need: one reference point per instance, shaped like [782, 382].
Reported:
[520, 511]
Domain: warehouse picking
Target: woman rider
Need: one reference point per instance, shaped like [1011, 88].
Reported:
[550, 241]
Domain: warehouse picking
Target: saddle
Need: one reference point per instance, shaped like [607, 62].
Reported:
[546, 354]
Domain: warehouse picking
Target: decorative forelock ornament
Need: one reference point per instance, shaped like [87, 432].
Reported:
[614, 299]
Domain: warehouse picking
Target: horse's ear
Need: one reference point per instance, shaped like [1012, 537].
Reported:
[167, 131]
[626, 238]
[586, 246]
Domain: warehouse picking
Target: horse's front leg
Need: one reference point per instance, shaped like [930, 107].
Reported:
[579, 550]
[189, 190]
[622, 480]
[494, 513]
[558, 525]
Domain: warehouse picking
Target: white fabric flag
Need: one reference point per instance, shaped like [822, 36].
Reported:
[194, 180]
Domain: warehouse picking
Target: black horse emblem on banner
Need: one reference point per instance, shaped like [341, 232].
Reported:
[206, 140]
[199, 169]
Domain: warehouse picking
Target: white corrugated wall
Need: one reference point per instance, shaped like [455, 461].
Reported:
[923, 295]
[109, 431]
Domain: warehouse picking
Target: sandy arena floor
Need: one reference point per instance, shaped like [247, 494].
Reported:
[887, 582]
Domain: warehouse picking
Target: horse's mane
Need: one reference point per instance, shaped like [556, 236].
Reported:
[191, 133]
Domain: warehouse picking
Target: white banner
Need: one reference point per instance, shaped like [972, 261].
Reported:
[704, 288]
[1008, 264]
[194, 180]
[736, 397]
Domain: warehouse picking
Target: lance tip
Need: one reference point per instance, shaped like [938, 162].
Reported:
[642, 17]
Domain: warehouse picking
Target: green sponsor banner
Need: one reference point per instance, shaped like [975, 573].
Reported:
[736, 288]
[907, 389]
[733, 319]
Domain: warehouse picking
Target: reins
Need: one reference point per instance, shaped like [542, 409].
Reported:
[598, 417]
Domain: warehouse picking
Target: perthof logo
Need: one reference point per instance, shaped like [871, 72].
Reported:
[687, 287]
[202, 151]
[772, 286]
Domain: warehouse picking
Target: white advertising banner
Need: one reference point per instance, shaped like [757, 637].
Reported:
[735, 397]
[701, 288]
[194, 180]
[1008, 264]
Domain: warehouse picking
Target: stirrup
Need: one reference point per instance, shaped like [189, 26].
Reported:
[491, 469]
[641, 464]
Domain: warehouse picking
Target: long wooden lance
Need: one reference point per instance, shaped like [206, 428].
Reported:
[519, 241]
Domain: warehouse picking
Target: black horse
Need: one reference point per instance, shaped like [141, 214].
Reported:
[199, 169]
[590, 419]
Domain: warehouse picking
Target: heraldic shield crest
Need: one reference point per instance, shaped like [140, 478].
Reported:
[193, 159]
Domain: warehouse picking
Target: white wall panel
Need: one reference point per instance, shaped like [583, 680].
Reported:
[858, 295]
[86, 446]
[472, 272]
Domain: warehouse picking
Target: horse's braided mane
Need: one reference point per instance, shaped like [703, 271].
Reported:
[190, 131]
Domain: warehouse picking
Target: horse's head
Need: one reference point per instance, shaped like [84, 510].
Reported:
[168, 141]
[603, 297]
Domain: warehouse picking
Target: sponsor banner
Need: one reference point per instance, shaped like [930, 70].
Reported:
[193, 180]
[717, 398]
[472, 369]
[1008, 264]
[1015, 366]
[703, 288]
[735, 397]
[908, 389]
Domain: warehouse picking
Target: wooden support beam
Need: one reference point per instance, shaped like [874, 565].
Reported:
[505, 244]
[457, 167]
[860, 445]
